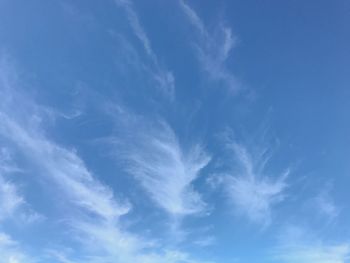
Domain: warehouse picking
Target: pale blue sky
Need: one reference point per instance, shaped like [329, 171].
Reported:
[174, 131]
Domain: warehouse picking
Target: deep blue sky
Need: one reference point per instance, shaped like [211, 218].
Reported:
[174, 131]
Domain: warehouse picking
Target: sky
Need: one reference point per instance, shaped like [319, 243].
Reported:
[174, 131]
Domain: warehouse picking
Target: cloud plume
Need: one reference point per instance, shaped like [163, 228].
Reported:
[248, 188]
[213, 49]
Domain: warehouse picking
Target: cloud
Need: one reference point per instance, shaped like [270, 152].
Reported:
[162, 76]
[194, 18]
[65, 168]
[13, 205]
[326, 205]
[136, 26]
[6, 240]
[316, 254]
[62, 166]
[252, 193]
[10, 251]
[299, 245]
[205, 241]
[164, 168]
[213, 49]
[10, 199]
[95, 223]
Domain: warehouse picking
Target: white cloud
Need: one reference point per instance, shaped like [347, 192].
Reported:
[136, 26]
[13, 205]
[163, 167]
[251, 192]
[194, 18]
[10, 199]
[162, 76]
[7, 166]
[6, 240]
[326, 205]
[205, 241]
[213, 49]
[107, 243]
[96, 221]
[255, 198]
[298, 245]
[61, 165]
[10, 251]
[65, 168]
[316, 254]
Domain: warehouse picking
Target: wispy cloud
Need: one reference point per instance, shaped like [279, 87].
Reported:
[11, 252]
[13, 205]
[96, 221]
[326, 205]
[299, 245]
[165, 169]
[162, 76]
[339, 253]
[65, 167]
[248, 188]
[10, 199]
[213, 49]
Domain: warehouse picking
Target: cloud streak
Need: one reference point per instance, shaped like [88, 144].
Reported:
[253, 193]
[95, 225]
[326, 205]
[316, 254]
[162, 76]
[213, 49]
[11, 252]
[10, 199]
[164, 168]
[298, 245]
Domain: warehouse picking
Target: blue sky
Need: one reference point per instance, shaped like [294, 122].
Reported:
[174, 131]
